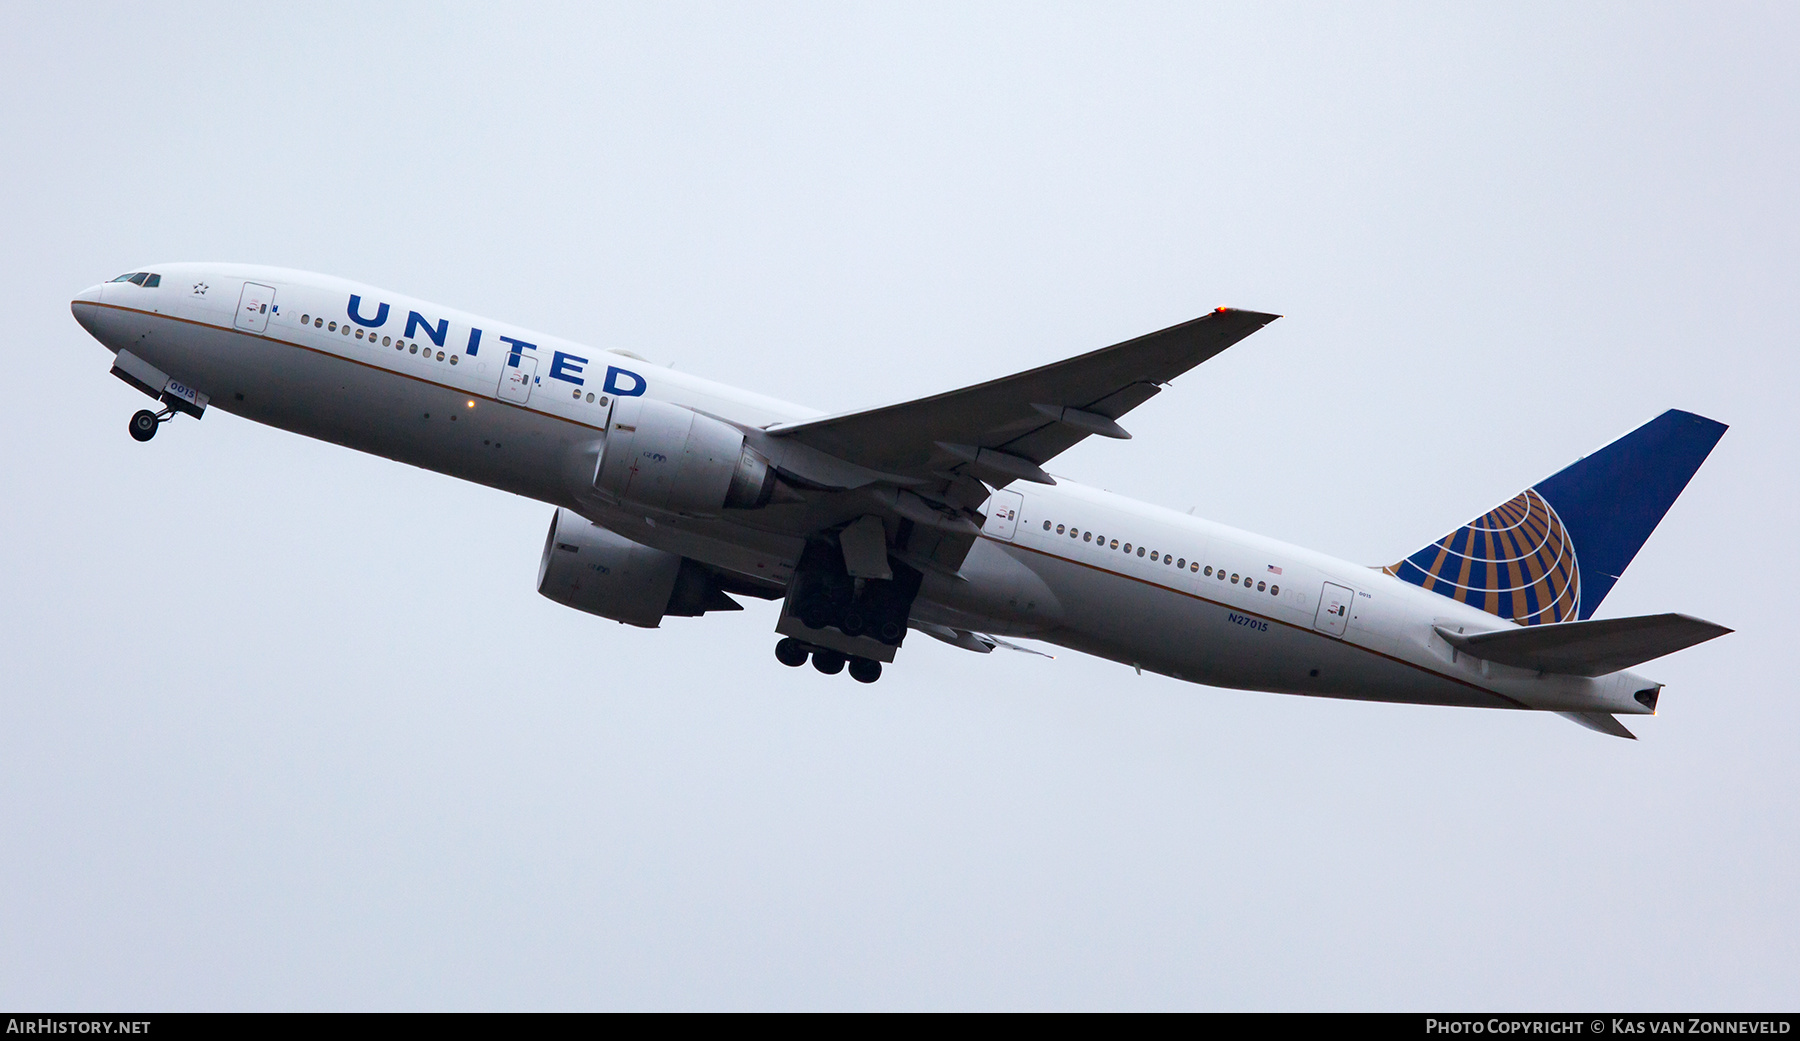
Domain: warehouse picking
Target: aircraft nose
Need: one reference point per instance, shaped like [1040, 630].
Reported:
[85, 306]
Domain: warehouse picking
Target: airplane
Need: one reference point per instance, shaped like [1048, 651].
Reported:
[673, 495]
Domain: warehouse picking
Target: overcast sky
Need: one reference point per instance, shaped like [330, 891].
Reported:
[285, 726]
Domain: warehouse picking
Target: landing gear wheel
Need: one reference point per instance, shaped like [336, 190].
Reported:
[863, 670]
[791, 652]
[828, 662]
[143, 425]
[854, 624]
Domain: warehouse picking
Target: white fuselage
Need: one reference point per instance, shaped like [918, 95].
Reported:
[443, 401]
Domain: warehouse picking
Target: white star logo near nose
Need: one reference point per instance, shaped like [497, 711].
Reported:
[200, 288]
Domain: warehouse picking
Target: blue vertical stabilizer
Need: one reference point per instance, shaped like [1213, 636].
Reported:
[1553, 552]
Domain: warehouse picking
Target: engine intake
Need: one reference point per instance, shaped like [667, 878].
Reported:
[671, 458]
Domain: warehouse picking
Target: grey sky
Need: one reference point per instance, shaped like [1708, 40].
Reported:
[283, 726]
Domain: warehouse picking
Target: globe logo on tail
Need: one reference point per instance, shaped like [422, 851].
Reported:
[1516, 561]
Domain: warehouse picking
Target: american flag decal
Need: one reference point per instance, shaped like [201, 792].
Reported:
[1273, 570]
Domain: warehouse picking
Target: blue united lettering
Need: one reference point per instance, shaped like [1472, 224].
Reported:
[567, 367]
[614, 376]
[416, 322]
[381, 313]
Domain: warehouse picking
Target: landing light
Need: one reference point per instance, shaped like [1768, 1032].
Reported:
[471, 404]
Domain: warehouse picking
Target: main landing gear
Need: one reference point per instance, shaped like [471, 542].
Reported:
[793, 654]
[144, 423]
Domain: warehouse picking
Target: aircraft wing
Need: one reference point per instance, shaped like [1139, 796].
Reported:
[1006, 429]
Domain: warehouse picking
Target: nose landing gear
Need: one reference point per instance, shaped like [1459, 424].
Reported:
[793, 654]
[144, 423]
[174, 395]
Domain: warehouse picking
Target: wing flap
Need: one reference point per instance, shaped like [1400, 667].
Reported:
[1591, 648]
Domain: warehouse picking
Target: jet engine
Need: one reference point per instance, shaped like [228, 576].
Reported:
[671, 458]
[595, 570]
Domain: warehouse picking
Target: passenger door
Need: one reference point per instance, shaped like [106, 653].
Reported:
[517, 377]
[1003, 514]
[1334, 609]
[253, 307]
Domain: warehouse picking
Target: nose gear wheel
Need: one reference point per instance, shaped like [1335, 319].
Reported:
[144, 423]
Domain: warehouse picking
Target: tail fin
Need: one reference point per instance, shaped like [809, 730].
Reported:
[1552, 552]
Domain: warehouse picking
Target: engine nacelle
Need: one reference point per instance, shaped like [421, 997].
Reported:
[670, 458]
[592, 569]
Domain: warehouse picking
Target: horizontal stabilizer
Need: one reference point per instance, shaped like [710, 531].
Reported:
[1600, 721]
[1591, 648]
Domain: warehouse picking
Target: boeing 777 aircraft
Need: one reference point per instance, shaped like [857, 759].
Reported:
[673, 494]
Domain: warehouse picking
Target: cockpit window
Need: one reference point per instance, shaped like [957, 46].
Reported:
[152, 281]
[127, 278]
[141, 278]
